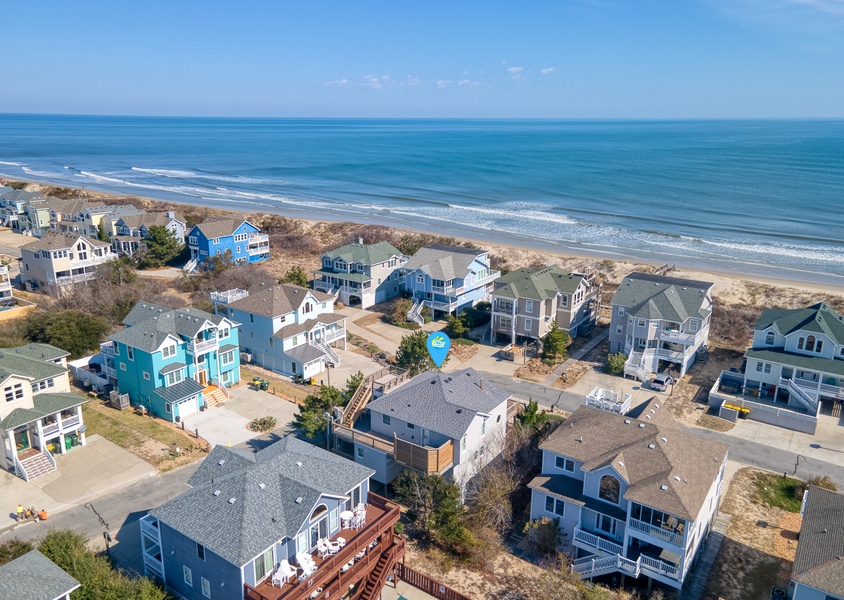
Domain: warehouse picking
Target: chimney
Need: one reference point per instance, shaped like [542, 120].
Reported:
[360, 241]
[170, 214]
[482, 384]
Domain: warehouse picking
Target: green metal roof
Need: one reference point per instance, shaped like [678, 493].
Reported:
[814, 363]
[818, 318]
[537, 285]
[367, 254]
[359, 277]
[44, 405]
[19, 361]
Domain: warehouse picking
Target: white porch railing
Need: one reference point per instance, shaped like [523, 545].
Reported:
[331, 335]
[203, 346]
[678, 337]
[657, 532]
[596, 541]
[593, 566]
[670, 354]
[151, 530]
[49, 456]
[107, 348]
[609, 400]
[658, 566]
[19, 470]
[817, 388]
[51, 428]
[228, 296]
[109, 371]
[806, 399]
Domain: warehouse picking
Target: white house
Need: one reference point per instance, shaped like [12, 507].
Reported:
[62, 259]
[286, 328]
[633, 496]
[450, 424]
[818, 570]
[660, 322]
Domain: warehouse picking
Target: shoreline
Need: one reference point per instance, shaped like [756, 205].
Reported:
[502, 243]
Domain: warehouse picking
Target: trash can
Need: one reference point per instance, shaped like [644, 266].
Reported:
[68, 442]
[265, 385]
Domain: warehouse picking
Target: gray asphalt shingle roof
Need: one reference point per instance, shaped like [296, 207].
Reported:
[43, 405]
[58, 240]
[220, 227]
[656, 297]
[180, 391]
[304, 353]
[443, 402]
[171, 367]
[33, 576]
[819, 560]
[818, 318]
[297, 328]
[278, 300]
[264, 487]
[685, 464]
[148, 325]
[367, 254]
[537, 285]
[443, 262]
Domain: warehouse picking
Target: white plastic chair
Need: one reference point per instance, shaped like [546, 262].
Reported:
[322, 548]
[332, 547]
[285, 572]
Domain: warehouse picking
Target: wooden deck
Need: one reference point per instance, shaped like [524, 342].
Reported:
[381, 516]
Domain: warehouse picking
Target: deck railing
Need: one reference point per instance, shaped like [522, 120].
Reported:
[657, 532]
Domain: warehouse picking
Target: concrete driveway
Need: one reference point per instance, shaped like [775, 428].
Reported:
[84, 473]
[226, 424]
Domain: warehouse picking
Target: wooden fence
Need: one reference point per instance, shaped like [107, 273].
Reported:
[428, 585]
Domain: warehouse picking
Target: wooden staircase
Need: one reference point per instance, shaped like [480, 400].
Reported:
[378, 576]
[214, 395]
[359, 400]
[36, 466]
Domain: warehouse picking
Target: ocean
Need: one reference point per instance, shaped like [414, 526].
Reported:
[737, 196]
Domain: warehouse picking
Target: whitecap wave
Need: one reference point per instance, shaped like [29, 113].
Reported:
[10, 163]
[36, 173]
[166, 172]
[180, 174]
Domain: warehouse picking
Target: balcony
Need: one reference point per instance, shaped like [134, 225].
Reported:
[70, 422]
[197, 347]
[678, 337]
[258, 243]
[79, 263]
[149, 526]
[228, 296]
[331, 335]
[381, 516]
[107, 348]
[433, 461]
[593, 541]
[77, 278]
[49, 429]
[666, 535]
[659, 567]
[816, 389]
[672, 355]
[109, 371]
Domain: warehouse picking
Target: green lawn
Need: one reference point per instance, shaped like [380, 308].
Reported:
[110, 429]
[775, 490]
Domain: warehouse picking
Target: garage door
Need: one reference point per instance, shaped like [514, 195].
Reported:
[188, 407]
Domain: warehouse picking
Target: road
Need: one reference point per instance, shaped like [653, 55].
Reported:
[741, 450]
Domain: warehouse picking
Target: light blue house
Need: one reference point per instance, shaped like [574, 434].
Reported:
[447, 279]
[247, 512]
[242, 240]
[174, 362]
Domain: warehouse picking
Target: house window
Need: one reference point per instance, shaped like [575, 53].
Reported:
[263, 565]
[385, 419]
[483, 428]
[763, 367]
[206, 587]
[610, 489]
[566, 464]
[420, 278]
[14, 392]
[308, 307]
[122, 366]
[215, 241]
[251, 318]
[271, 342]
[167, 408]
[605, 523]
[529, 306]
[619, 329]
[188, 575]
[693, 325]
[767, 367]
[360, 452]
[192, 240]
[130, 352]
[555, 506]
[641, 323]
[241, 237]
[528, 325]
[800, 343]
[200, 551]
[146, 375]
[228, 357]
[174, 377]
[620, 311]
[564, 300]
[168, 351]
[410, 425]
[769, 338]
[224, 333]
[463, 443]
[51, 383]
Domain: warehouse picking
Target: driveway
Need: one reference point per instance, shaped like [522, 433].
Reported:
[226, 424]
[84, 473]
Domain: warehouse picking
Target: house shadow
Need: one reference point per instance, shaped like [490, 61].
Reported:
[741, 571]
[125, 548]
[263, 441]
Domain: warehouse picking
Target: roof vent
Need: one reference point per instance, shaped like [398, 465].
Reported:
[217, 492]
[459, 410]
[648, 417]
[221, 462]
[663, 487]
[299, 463]
[298, 500]
[655, 404]
[664, 440]
[651, 446]
[262, 485]
[580, 439]
[676, 478]
[627, 421]
[621, 463]
[641, 425]
[232, 500]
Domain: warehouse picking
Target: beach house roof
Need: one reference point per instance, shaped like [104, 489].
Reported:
[819, 561]
[148, 219]
[655, 297]
[443, 402]
[25, 361]
[43, 405]
[665, 468]
[148, 325]
[818, 318]
[367, 254]
[277, 300]
[33, 576]
[58, 240]
[241, 503]
[217, 227]
[443, 262]
[21, 196]
[537, 285]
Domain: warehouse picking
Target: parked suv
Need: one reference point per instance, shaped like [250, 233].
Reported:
[661, 382]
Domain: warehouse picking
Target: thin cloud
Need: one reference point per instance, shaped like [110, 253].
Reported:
[468, 83]
[548, 71]
[516, 73]
[808, 16]
[443, 84]
[338, 83]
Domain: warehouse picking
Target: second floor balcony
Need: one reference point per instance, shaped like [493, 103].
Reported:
[258, 243]
[200, 346]
[669, 532]
[426, 459]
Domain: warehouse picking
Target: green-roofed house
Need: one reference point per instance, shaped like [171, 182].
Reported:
[361, 274]
[526, 303]
[39, 415]
[660, 322]
[33, 576]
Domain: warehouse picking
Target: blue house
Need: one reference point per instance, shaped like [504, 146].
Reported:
[246, 512]
[174, 362]
[242, 240]
[447, 279]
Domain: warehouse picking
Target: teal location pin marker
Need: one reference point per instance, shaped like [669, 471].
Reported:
[438, 345]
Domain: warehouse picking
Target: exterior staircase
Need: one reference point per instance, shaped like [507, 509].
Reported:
[415, 313]
[378, 576]
[36, 466]
[333, 359]
[700, 574]
[593, 566]
[358, 402]
[190, 267]
[802, 396]
[214, 395]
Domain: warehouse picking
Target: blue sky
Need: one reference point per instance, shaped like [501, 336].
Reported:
[556, 59]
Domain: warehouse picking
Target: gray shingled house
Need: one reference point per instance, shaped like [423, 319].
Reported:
[33, 576]
[361, 274]
[633, 496]
[246, 512]
[660, 322]
[818, 570]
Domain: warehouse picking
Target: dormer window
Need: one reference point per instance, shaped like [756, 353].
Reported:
[610, 489]
[326, 262]
[810, 344]
[770, 337]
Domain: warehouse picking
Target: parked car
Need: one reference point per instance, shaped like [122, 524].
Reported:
[661, 382]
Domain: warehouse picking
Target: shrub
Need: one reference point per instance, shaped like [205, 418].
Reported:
[822, 482]
[615, 364]
[264, 424]
[297, 275]
[399, 528]
[545, 534]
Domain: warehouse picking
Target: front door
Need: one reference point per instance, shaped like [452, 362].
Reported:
[202, 376]
[22, 440]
